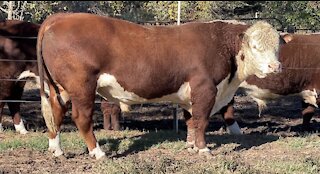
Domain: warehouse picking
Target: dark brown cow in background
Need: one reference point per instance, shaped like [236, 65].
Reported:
[301, 71]
[17, 43]
[196, 65]
[111, 114]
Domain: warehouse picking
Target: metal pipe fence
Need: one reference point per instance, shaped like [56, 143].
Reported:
[173, 22]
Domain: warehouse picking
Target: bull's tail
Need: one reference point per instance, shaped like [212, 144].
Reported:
[46, 107]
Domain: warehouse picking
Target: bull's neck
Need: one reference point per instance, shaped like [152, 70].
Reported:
[238, 58]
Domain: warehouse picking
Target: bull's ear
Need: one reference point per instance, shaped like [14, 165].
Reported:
[286, 38]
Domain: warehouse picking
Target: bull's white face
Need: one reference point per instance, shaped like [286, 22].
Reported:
[261, 50]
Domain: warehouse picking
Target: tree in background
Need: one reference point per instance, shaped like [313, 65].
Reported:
[13, 9]
[302, 14]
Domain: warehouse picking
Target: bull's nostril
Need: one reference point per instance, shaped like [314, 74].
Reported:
[269, 66]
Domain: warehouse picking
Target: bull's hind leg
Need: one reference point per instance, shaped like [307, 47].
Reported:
[82, 110]
[307, 114]
[1, 109]
[191, 130]
[203, 94]
[14, 108]
[58, 113]
[228, 116]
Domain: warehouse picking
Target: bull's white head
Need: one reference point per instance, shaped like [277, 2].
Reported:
[260, 49]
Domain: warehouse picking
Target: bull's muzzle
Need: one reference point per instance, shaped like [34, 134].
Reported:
[275, 67]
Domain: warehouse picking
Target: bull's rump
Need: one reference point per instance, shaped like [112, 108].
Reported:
[148, 61]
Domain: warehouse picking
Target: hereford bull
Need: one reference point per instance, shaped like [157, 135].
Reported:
[196, 65]
[17, 44]
[301, 61]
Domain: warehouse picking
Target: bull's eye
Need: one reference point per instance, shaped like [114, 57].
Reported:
[254, 47]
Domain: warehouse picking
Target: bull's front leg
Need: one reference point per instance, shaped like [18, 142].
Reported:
[203, 94]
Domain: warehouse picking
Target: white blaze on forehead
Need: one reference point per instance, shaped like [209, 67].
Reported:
[225, 92]
[260, 48]
[108, 86]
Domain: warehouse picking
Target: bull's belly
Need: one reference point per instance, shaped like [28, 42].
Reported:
[110, 89]
[261, 96]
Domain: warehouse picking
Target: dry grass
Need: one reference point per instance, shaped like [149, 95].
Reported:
[163, 152]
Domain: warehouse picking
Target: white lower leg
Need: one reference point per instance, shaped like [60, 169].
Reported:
[97, 152]
[234, 129]
[20, 128]
[1, 128]
[54, 145]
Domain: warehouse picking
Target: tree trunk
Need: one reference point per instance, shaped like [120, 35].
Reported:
[10, 10]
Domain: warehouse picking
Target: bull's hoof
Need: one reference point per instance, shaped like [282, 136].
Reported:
[56, 151]
[23, 132]
[234, 129]
[97, 152]
[205, 152]
[192, 150]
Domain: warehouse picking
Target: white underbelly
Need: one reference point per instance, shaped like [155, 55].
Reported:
[109, 88]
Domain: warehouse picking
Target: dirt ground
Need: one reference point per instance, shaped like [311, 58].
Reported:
[281, 118]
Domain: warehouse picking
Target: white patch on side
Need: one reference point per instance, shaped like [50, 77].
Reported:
[234, 129]
[225, 92]
[97, 152]
[27, 74]
[107, 86]
[310, 97]
[20, 128]
[54, 145]
[1, 128]
[47, 114]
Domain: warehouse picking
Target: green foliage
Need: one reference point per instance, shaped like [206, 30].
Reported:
[302, 14]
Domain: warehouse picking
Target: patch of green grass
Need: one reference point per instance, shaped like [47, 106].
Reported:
[307, 141]
[306, 165]
[39, 142]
